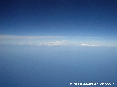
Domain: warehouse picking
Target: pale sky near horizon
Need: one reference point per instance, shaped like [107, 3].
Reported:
[56, 41]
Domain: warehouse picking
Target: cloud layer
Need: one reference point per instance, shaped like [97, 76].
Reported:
[54, 41]
[33, 40]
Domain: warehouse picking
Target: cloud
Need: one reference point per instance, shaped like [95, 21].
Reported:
[92, 37]
[89, 45]
[33, 40]
[97, 45]
[56, 43]
[27, 37]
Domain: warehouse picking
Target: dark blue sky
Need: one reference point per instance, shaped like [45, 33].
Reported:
[83, 21]
[59, 17]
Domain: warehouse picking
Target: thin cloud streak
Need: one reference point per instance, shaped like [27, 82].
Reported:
[33, 40]
[27, 37]
[54, 41]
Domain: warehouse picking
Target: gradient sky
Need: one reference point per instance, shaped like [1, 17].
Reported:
[95, 19]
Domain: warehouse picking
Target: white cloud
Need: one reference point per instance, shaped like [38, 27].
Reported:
[88, 45]
[56, 43]
[32, 40]
[92, 37]
[27, 37]
[97, 45]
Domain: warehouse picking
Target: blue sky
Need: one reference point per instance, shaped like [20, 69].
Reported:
[69, 21]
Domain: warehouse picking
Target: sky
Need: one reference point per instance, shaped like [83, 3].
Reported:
[52, 43]
[59, 22]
